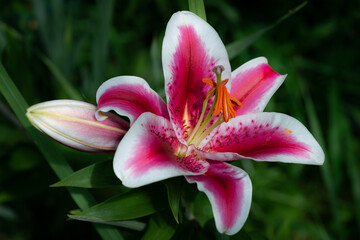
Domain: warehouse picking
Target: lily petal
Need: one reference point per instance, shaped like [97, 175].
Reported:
[191, 48]
[146, 154]
[263, 137]
[253, 84]
[229, 190]
[73, 124]
[129, 96]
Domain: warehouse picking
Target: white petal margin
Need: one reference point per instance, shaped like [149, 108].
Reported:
[253, 84]
[206, 32]
[146, 154]
[263, 137]
[191, 48]
[229, 190]
[128, 96]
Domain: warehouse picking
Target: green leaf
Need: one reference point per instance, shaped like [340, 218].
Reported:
[352, 166]
[173, 187]
[55, 159]
[60, 78]
[100, 47]
[133, 225]
[326, 172]
[235, 48]
[132, 204]
[197, 7]
[202, 209]
[97, 175]
[161, 227]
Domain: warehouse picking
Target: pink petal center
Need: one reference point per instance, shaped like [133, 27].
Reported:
[257, 140]
[186, 90]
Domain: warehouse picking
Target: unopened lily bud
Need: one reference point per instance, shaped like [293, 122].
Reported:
[73, 124]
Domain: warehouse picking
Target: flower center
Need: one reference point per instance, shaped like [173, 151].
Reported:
[222, 104]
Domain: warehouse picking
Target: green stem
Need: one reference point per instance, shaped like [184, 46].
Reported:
[197, 7]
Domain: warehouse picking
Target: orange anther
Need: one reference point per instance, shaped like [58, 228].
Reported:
[224, 99]
[286, 131]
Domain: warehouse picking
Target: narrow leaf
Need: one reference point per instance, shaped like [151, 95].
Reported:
[60, 78]
[173, 187]
[235, 48]
[197, 7]
[202, 209]
[133, 204]
[352, 166]
[155, 54]
[103, 18]
[133, 225]
[335, 132]
[326, 172]
[161, 227]
[97, 175]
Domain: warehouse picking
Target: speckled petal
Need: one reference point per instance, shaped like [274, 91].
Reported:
[253, 84]
[146, 154]
[229, 191]
[191, 48]
[262, 137]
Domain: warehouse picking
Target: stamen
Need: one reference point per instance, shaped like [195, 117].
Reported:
[223, 102]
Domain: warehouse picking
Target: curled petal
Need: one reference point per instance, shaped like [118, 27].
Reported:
[146, 154]
[73, 124]
[129, 96]
[253, 84]
[262, 137]
[191, 48]
[229, 190]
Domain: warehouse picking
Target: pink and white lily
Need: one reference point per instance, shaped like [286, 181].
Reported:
[73, 124]
[212, 115]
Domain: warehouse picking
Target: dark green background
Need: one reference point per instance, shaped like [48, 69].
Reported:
[87, 42]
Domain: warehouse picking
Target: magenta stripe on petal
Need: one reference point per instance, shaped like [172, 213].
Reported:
[191, 48]
[147, 153]
[229, 191]
[129, 96]
[186, 91]
[264, 136]
[258, 140]
[253, 84]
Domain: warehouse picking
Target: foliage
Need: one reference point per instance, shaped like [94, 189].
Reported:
[66, 49]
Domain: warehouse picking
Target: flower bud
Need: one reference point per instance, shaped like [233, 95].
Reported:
[73, 124]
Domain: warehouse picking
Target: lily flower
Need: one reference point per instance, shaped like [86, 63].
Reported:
[73, 124]
[212, 116]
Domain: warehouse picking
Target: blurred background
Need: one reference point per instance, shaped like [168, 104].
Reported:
[66, 49]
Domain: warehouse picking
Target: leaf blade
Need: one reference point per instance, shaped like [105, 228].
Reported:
[160, 227]
[132, 204]
[197, 7]
[97, 175]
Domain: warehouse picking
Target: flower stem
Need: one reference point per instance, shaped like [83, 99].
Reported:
[197, 7]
